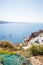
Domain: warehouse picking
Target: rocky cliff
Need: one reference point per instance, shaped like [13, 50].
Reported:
[33, 35]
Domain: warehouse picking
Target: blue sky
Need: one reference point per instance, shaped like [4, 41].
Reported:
[21, 10]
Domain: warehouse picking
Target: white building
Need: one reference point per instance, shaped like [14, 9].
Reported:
[36, 40]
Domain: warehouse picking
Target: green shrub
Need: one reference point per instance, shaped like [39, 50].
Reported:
[36, 49]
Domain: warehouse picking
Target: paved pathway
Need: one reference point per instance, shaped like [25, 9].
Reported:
[35, 61]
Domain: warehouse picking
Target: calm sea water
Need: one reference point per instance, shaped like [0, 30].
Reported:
[16, 32]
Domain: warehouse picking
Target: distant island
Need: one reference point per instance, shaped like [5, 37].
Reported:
[3, 22]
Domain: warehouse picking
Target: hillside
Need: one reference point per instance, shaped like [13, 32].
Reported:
[35, 37]
[7, 45]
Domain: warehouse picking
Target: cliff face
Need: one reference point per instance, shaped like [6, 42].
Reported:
[33, 35]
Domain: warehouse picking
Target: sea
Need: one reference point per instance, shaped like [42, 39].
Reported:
[16, 32]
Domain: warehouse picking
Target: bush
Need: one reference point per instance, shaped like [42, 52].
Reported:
[36, 49]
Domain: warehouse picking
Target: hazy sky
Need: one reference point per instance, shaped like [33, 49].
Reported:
[21, 10]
